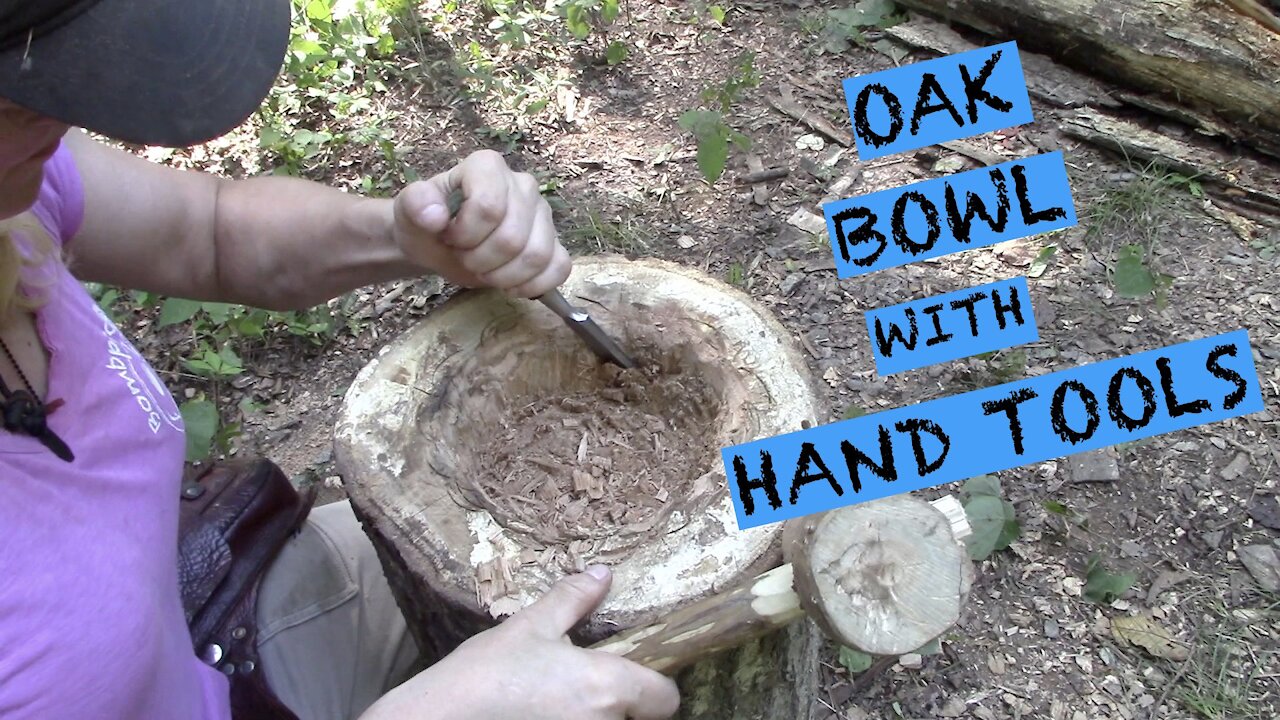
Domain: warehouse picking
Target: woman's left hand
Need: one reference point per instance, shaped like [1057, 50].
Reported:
[503, 236]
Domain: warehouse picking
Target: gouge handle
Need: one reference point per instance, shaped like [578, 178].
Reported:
[553, 299]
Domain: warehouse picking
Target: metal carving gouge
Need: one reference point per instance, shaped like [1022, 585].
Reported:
[578, 320]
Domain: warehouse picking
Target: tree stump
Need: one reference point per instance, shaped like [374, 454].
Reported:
[423, 423]
[488, 453]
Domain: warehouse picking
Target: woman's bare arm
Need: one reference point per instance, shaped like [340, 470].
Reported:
[286, 243]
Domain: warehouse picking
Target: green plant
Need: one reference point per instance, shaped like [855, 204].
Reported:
[205, 430]
[836, 30]
[1042, 260]
[991, 517]
[336, 64]
[1102, 586]
[1134, 278]
[1132, 205]
[710, 128]
[217, 334]
[735, 275]
[582, 15]
[200, 418]
[219, 364]
[220, 323]
[1268, 247]
[853, 411]
[1006, 365]
[605, 235]
[855, 661]
[1229, 674]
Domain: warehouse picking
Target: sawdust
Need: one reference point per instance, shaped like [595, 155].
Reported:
[608, 459]
[581, 460]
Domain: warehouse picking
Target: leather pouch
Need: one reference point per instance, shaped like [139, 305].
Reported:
[233, 519]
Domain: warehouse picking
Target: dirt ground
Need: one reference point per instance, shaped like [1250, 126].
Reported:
[1174, 509]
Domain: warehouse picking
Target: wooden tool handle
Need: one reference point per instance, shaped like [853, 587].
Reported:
[715, 623]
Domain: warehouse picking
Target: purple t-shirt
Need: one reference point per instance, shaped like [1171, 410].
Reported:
[91, 621]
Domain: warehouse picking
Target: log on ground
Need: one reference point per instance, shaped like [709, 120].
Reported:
[1207, 56]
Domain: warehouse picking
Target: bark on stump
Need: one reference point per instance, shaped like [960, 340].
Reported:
[1205, 56]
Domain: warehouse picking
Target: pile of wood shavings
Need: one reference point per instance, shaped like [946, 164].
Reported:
[606, 461]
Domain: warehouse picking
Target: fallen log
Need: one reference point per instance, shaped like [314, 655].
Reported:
[1205, 56]
[1241, 180]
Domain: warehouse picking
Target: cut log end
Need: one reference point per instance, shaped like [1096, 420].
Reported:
[885, 577]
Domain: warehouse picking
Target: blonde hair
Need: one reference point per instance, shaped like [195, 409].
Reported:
[26, 250]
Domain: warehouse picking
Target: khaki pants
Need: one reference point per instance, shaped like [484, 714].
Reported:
[331, 638]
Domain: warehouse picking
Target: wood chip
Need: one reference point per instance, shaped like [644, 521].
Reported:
[1263, 564]
[1265, 510]
[986, 157]
[1239, 466]
[807, 221]
[788, 106]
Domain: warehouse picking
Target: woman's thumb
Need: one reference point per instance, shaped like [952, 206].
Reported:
[570, 600]
[422, 205]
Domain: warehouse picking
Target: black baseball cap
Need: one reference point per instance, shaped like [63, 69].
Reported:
[152, 72]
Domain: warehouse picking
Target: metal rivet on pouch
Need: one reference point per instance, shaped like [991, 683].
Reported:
[228, 669]
[239, 633]
[212, 654]
[247, 667]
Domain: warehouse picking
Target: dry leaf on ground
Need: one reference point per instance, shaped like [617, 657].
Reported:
[1142, 631]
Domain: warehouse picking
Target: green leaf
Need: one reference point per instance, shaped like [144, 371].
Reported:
[576, 20]
[1011, 529]
[222, 439]
[993, 523]
[853, 660]
[717, 12]
[218, 313]
[1132, 277]
[251, 325]
[616, 53]
[933, 647]
[108, 299]
[701, 122]
[307, 48]
[318, 10]
[1056, 507]
[609, 11]
[982, 485]
[853, 411]
[1105, 587]
[230, 362]
[201, 420]
[177, 310]
[1042, 260]
[713, 153]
